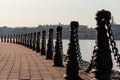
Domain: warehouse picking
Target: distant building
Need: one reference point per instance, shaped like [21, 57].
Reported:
[116, 31]
[84, 32]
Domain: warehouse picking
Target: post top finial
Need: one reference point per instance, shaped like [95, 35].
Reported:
[59, 28]
[44, 31]
[74, 23]
[51, 30]
[103, 14]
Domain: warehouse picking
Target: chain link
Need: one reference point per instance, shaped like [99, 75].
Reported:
[113, 45]
[84, 65]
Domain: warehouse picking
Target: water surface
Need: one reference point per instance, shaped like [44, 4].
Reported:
[87, 47]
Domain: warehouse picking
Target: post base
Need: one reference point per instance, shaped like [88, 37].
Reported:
[49, 58]
[58, 65]
[101, 75]
[69, 77]
[38, 51]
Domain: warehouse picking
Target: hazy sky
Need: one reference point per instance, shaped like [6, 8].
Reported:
[34, 12]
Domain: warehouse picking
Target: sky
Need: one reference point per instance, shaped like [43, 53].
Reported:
[31, 13]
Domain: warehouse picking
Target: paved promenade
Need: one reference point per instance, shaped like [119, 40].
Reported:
[21, 63]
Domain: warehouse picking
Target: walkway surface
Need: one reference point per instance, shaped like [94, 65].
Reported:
[21, 63]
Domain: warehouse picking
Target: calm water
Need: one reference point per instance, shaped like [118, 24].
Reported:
[87, 47]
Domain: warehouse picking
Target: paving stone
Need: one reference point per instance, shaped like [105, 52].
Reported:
[20, 63]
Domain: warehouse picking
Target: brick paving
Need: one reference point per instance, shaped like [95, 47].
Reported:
[21, 63]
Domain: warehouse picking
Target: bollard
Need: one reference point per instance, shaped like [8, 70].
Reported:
[49, 54]
[34, 41]
[31, 40]
[38, 42]
[43, 47]
[21, 39]
[72, 72]
[8, 39]
[1, 38]
[18, 39]
[4, 38]
[102, 61]
[58, 48]
[28, 41]
[25, 36]
[14, 38]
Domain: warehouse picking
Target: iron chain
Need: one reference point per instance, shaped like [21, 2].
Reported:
[113, 45]
[82, 64]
